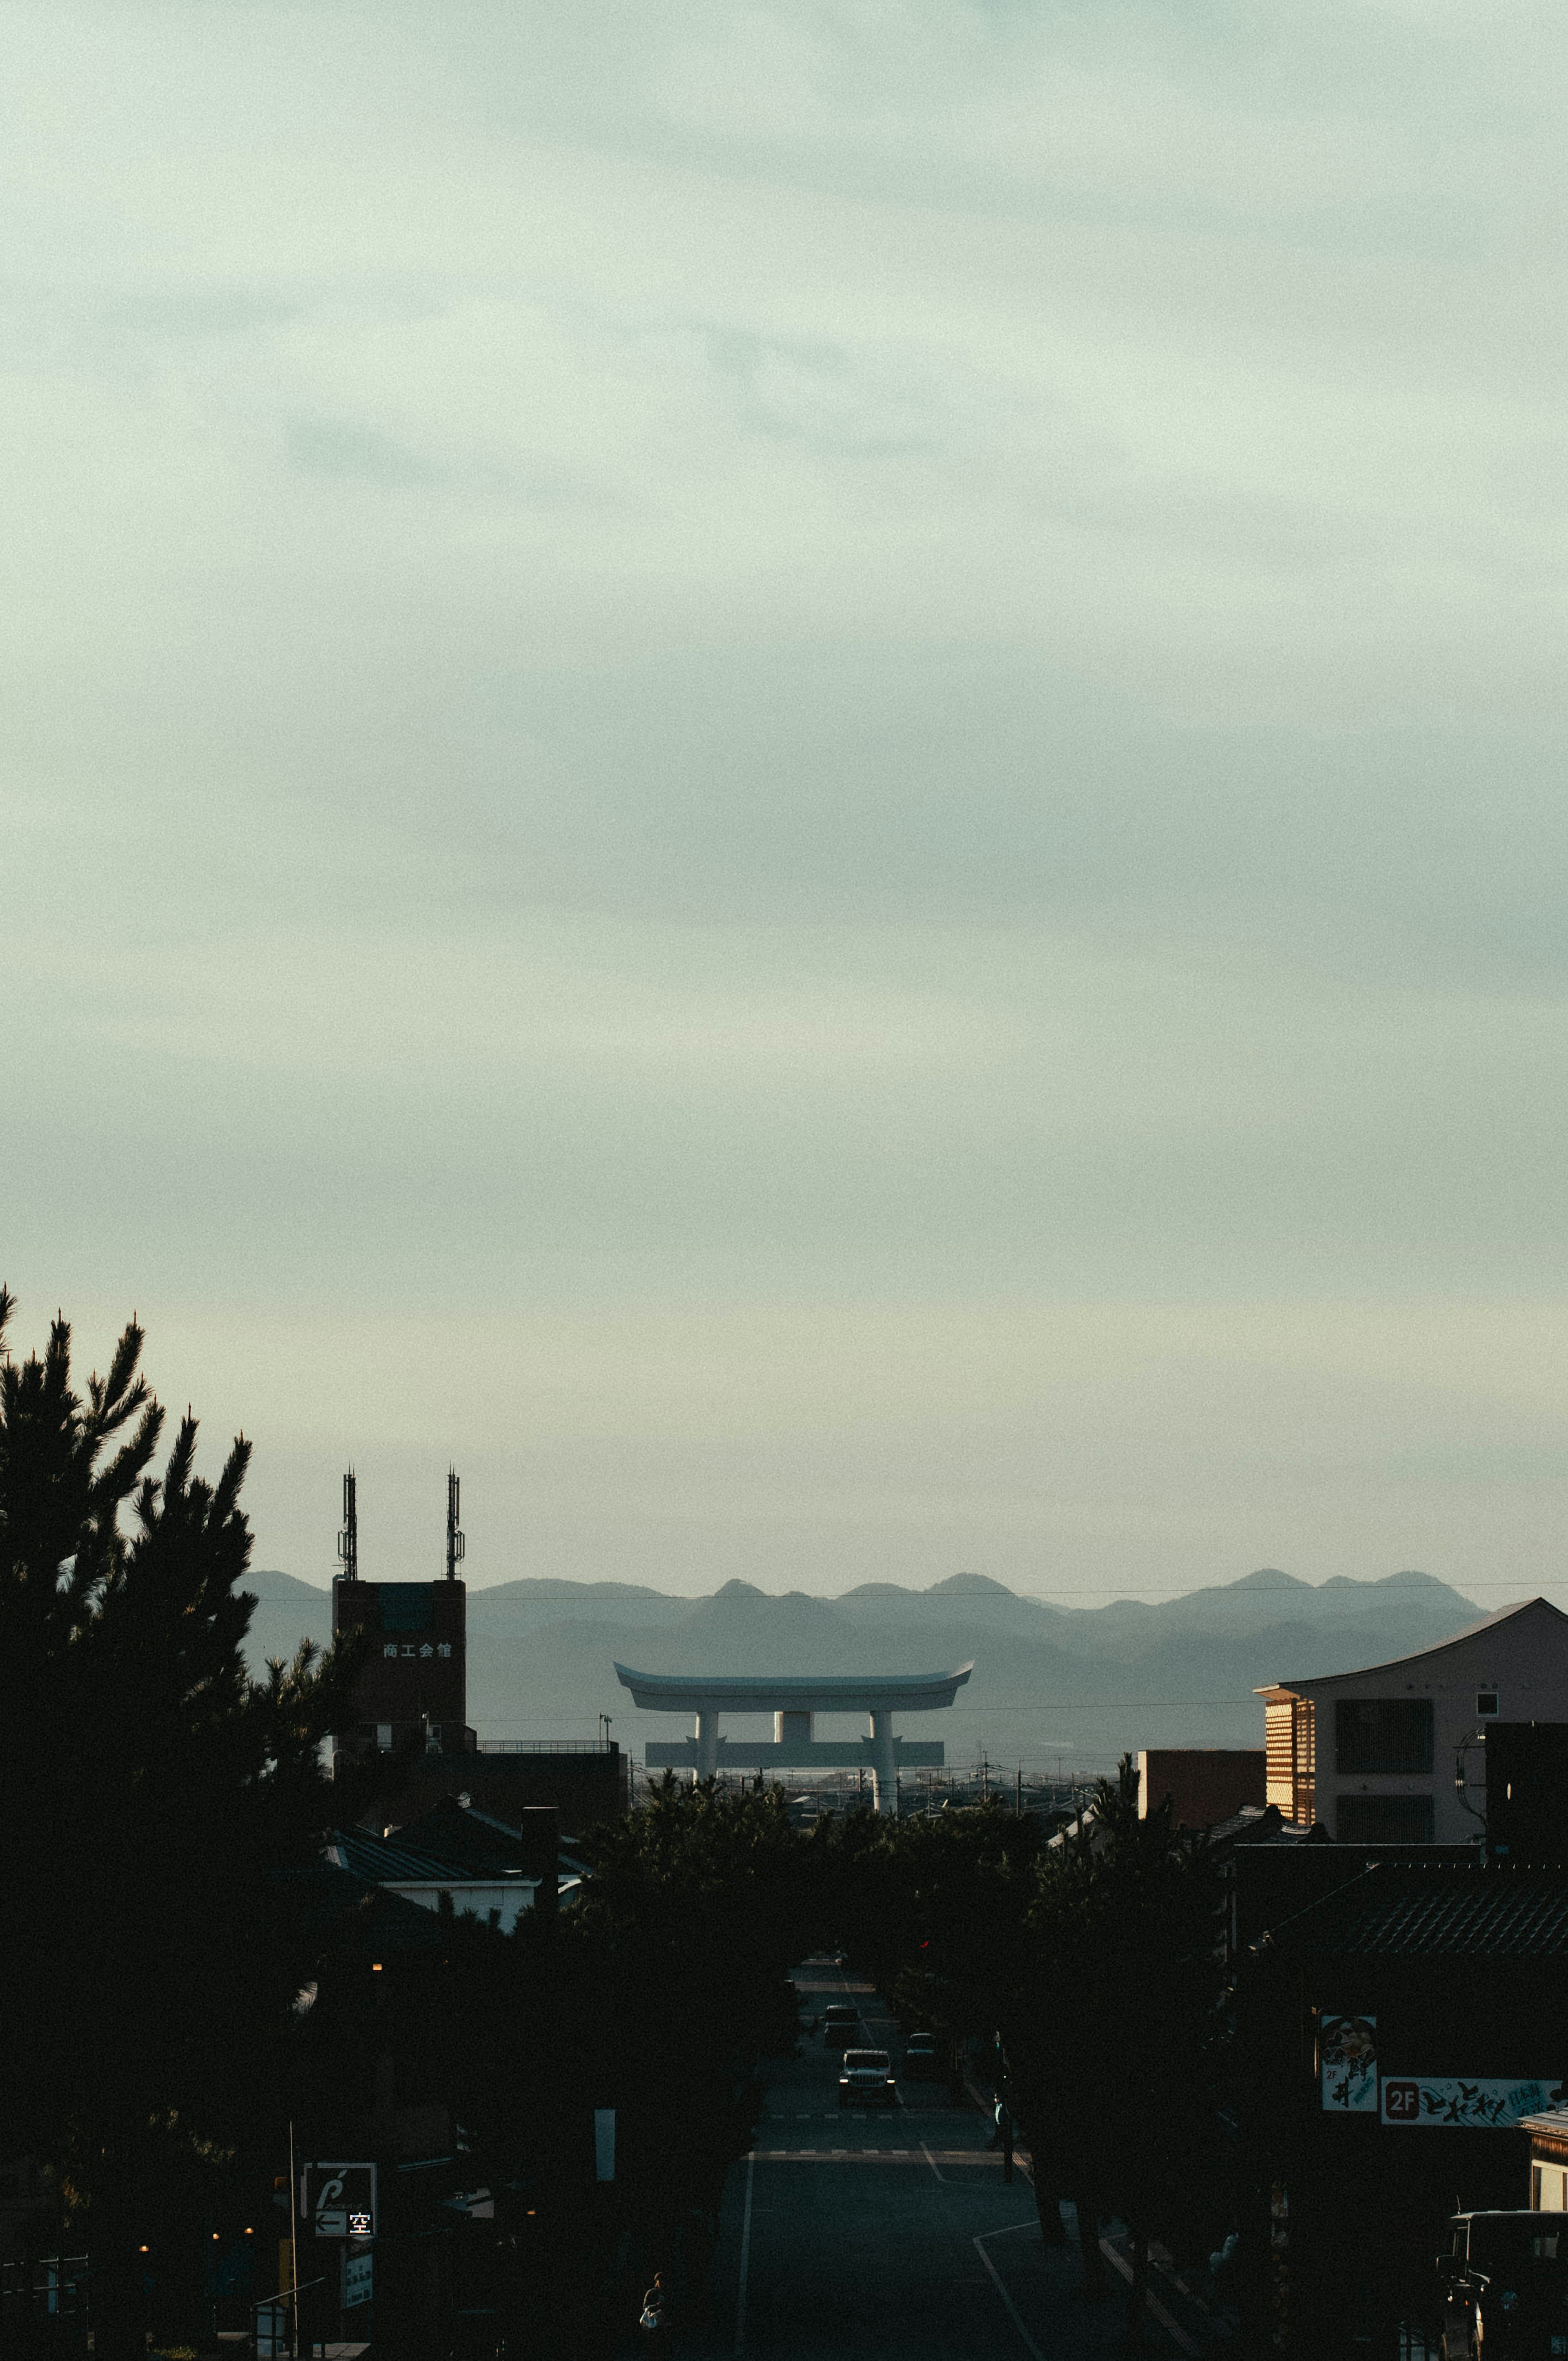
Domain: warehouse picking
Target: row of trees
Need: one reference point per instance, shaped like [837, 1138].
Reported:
[165, 1815]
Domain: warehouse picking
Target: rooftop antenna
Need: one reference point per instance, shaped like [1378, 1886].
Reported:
[455, 1541]
[348, 1539]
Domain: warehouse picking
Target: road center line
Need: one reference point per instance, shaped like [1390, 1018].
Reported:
[1013, 2311]
[745, 2264]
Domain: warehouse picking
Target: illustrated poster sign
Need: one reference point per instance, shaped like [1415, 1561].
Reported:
[1347, 2054]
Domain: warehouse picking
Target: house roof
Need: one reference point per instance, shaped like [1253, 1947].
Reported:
[349, 1914]
[1541, 1608]
[386, 1861]
[461, 1833]
[1456, 1911]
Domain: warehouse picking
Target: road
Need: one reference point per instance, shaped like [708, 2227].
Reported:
[846, 2235]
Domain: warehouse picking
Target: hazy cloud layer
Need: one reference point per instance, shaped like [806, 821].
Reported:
[844, 670]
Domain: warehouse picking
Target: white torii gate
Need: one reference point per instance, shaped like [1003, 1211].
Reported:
[792, 1702]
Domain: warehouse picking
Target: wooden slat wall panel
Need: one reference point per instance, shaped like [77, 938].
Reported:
[1279, 1755]
[1306, 1717]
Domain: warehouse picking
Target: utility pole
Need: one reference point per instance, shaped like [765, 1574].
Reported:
[294, 2236]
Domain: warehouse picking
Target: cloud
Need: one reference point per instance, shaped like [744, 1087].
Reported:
[861, 649]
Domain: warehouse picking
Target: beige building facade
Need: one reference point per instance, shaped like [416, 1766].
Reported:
[1375, 1754]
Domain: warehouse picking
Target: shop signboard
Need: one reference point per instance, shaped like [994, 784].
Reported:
[1461, 2102]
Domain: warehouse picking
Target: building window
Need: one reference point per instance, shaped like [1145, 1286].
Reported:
[1383, 1820]
[1486, 1701]
[406, 1606]
[1375, 1735]
[384, 1736]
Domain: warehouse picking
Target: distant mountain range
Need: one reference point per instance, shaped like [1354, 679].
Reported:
[1049, 1682]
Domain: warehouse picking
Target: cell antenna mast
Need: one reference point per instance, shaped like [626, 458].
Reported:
[455, 1541]
[348, 1539]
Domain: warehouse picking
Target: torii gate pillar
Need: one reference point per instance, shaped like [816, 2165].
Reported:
[884, 1764]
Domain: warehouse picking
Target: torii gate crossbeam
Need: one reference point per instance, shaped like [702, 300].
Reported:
[792, 1702]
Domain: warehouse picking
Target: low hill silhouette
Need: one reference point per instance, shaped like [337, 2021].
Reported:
[1051, 1681]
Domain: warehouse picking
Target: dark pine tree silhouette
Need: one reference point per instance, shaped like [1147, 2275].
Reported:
[154, 1794]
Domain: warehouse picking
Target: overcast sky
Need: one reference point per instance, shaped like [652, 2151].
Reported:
[797, 773]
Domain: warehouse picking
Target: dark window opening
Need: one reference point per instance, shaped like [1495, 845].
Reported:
[1383, 1820]
[1486, 1700]
[407, 1605]
[1373, 1735]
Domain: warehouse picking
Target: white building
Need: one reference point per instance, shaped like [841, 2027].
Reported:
[1375, 1754]
[422, 1879]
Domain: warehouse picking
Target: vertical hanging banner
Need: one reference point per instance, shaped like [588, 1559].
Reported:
[1347, 2059]
[603, 2143]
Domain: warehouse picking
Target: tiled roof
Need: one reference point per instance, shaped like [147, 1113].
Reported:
[1455, 1913]
[346, 1913]
[384, 1860]
[458, 1832]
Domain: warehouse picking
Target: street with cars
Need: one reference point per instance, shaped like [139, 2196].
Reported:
[853, 2230]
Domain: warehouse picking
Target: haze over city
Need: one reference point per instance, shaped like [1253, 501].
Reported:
[794, 773]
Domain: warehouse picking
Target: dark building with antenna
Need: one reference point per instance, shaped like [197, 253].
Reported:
[413, 1691]
[415, 1681]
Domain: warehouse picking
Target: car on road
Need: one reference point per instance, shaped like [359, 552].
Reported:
[840, 2026]
[1506, 2280]
[867, 2080]
[924, 2060]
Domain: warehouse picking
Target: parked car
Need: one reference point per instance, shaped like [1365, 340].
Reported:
[1506, 2280]
[924, 2059]
[840, 2026]
[867, 2080]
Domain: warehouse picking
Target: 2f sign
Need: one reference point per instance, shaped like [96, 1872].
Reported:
[338, 2200]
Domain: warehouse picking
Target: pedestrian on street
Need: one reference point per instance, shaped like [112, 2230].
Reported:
[1004, 2137]
[655, 2319]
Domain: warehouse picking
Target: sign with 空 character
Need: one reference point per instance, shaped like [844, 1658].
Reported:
[338, 2200]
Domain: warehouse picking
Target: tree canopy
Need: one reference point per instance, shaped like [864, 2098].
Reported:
[153, 1789]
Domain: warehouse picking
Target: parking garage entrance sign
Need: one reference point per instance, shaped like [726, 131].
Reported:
[338, 2200]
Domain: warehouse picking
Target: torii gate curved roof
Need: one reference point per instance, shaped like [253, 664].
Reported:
[835, 1693]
